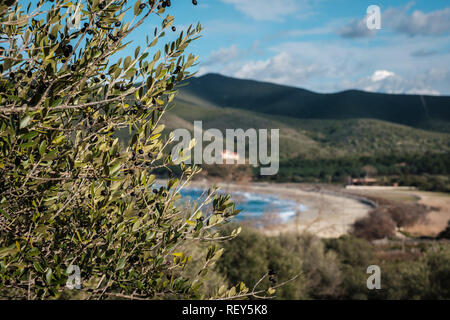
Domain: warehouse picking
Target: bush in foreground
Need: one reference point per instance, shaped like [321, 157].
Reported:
[72, 197]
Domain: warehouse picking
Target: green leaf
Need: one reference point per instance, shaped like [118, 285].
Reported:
[38, 267]
[42, 147]
[121, 263]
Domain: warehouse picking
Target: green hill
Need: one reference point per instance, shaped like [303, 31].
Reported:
[428, 112]
[226, 103]
[328, 136]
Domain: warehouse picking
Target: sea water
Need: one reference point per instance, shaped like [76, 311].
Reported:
[253, 205]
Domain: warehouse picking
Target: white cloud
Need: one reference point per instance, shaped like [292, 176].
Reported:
[282, 68]
[330, 67]
[381, 75]
[356, 29]
[417, 23]
[222, 56]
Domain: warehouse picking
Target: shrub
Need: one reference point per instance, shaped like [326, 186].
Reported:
[253, 255]
[71, 194]
[377, 225]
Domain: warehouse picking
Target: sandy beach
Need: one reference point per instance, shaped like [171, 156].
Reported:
[328, 215]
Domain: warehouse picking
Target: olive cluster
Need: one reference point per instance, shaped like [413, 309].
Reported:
[272, 275]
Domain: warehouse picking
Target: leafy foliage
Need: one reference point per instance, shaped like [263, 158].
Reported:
[71, 194]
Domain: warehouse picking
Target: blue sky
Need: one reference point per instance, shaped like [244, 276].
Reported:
[324, 45]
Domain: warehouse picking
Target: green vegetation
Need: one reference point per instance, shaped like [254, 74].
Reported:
[329, 142]
[72, 196]
[427, 171]
[337, 268]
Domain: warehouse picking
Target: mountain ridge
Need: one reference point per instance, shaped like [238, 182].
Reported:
[418, 111]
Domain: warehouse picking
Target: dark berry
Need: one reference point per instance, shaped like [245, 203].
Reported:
[52, 37]
[102, 5]
[117, 24]
[142, 6]
[113, 37]
[194, 2]
[29, 74]
[174, 29]
[141, 151]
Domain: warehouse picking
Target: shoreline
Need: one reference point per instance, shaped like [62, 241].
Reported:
[328, 215]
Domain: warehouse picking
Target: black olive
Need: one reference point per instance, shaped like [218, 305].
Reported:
[141, 151]
[142, 6]
[52, 37]
[117, 24]
[102, 76]
[194, 2]
[174, 28]
[272, 272]
[29, 74]
[113, 37]
[102, 5]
